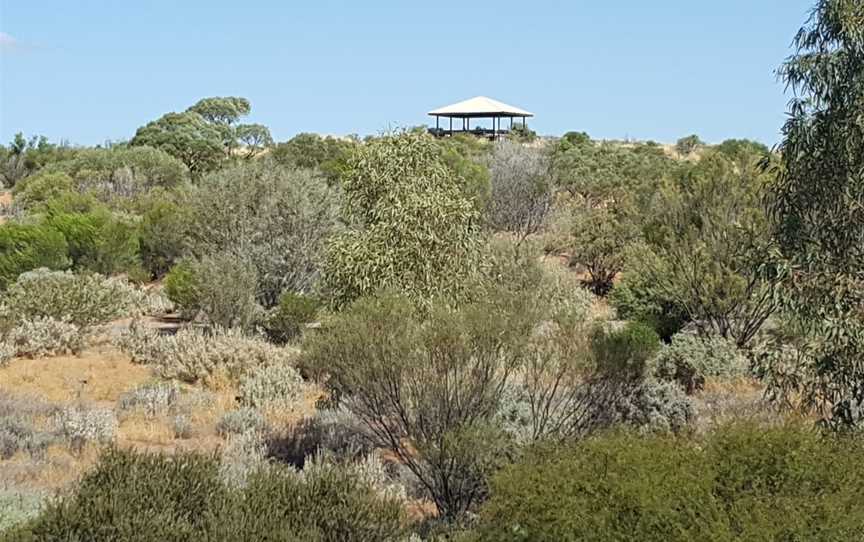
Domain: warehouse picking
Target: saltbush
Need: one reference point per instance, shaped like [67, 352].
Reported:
[243, 420]
[153, 399]
[81, 426]
[193, 354]
[7, 352]
[742, 483]
[81, 299]
[655, 407]
[274, 386]
[690, 359]
[134, 496]
[45, 336]
[24, 247]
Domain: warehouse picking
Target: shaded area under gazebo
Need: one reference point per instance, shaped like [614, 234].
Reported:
[480, 107]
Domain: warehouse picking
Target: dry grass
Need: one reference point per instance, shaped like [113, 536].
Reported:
[97, 376]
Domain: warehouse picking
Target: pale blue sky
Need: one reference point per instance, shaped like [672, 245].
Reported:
[88, 71]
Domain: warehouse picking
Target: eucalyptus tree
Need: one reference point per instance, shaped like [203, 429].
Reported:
[817, 204]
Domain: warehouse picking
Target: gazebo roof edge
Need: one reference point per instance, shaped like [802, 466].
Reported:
[480, 106]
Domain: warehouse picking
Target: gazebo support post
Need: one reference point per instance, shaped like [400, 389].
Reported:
[451, 126]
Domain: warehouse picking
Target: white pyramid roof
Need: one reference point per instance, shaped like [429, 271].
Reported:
[480, 105]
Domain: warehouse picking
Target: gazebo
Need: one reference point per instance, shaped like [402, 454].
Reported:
[480, 107]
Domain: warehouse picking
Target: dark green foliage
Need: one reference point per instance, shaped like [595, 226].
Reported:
[163, 228]
[27, 247]
[182, 287]
[40, 188]
[185, 136]
[743, 483]
[135, 497]
[624, 352]
[144, 497]
[817, 212]
[329, 155]
[635, 297]
[575, 138]
[286, 321]
[99, 240]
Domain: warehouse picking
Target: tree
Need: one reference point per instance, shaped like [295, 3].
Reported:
[522, 189]
[205, 134]
[710, 242]
[277, 218]
[688, 145]
[186, 136]
[427, 390]
[410, 226]
[816, 206]
[327, 154]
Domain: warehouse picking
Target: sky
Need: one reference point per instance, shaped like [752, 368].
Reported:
[88, 71]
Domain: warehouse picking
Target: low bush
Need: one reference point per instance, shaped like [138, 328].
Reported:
[81, 426]
[624, 352]
[690, 359]
[243, 420]
[194, 354]
[81, 299]
[742, 483]
[333, 431]
[285, 322]
[278, 386]
[654, 407]
[133, 496]
[153, 399]
[7, 352]
[42, 187]
[45, 336]
[24, 247]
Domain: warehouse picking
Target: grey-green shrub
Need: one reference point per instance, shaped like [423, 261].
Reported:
[221, 286]
[82, 299]
[44, 336]
[243, 420]
[82, 425]
[277, 385]
[193, 354]
[655, 407]
[7, 352]
[690, 359]
[153, 398]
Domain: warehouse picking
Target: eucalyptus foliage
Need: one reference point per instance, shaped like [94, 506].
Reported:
[817, 208]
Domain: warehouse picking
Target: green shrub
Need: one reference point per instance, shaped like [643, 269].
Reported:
[624, 352]
[146, 497]
[164, 223]
[27, 247]
[99, 241]
[42, 187]
[221, 287]
[743, 483]
[690, 359]
[634, 297]
[286, 321]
